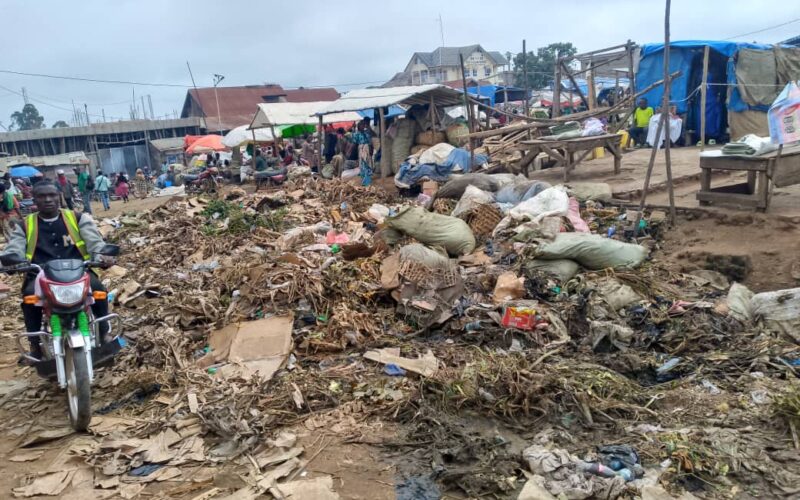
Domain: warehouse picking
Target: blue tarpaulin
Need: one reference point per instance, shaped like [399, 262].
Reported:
[687, 56]
[24, 171]
[394, 110]
[408, 175]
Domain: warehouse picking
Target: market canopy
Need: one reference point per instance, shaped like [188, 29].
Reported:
[357, 100]
[242, 135]
[296, 113]
[24, 171]
[205, 144]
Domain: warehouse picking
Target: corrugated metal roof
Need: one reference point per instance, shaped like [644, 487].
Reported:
[356, 100]
[295, 113]
[76, 158]
[99, 129]
[237, 104]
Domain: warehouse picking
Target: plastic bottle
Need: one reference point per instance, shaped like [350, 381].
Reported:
[611, 231]
[626, 474]
[473, 326]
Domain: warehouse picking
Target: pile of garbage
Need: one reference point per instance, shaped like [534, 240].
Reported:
[540, 307]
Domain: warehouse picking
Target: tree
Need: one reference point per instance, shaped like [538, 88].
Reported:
[27, 119]
[541, 65]
[60, 124]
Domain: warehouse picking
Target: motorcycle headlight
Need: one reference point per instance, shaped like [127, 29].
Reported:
[68, 294]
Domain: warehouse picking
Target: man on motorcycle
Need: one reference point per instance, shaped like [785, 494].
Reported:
[54, 233]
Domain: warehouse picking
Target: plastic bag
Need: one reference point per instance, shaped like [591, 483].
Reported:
[592, 126]
[593, 252]
[471, 198]
[784, 115]
[551, 201]
[562, 270]
[585, 191]
[436, 154]
[520, 191]
[435, 229]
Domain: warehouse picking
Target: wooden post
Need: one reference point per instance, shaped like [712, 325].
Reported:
[663, 126]
[321, 145]
[592, 91]
[468, 109]
[525, 72]
[703, 94]
[274, 140]
[385, 167]
[665, 107]
[631, 73]
[557, 89]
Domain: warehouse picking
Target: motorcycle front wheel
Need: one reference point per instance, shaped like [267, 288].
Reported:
[79, 389]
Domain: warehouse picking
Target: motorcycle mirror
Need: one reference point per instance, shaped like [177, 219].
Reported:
[110, 250]
[11, 260]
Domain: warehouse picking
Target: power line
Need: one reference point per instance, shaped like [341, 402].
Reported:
[765, 29]
[94, 80]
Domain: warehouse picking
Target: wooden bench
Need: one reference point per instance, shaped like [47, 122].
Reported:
[563, 151]
[779, 168]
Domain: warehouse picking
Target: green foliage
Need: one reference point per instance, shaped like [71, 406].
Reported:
[230, 218]
[27, 119]
[541, 65]
[60, 124]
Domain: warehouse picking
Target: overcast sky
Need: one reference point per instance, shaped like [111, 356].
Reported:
[343, 43]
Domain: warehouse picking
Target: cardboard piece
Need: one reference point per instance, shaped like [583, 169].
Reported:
[426, 365]
[508, 287]
[48, 484]
[319, 488]
[251, 347]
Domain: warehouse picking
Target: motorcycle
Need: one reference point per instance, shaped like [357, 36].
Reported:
[207, 181]
[69, 337]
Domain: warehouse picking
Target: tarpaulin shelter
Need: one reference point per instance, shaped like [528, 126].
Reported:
[24, 171]
[242, 135]
[382, 98]
[279, 114]
[357, 100]
[206, 143]
[743, 80]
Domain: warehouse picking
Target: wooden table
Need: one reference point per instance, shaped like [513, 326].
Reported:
[779, 168]
[563, 151]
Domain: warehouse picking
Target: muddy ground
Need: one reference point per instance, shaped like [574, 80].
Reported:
[473, 447]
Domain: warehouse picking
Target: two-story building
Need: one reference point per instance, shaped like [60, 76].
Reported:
[443, 65]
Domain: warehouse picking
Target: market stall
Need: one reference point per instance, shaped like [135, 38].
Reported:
[434, 97]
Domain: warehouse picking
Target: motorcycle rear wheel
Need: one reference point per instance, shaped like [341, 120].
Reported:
[79, 389]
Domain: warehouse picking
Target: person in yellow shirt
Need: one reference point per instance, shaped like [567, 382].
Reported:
[641, 120]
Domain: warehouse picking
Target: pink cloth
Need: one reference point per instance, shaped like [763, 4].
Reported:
[574, 216]
[122, 189]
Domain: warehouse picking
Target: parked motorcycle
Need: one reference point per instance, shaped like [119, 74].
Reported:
[208, 181]
[70, 337]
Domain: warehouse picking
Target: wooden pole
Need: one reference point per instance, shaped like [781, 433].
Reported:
[321, 141]
[557, 89]
[574, 84]
[665, 109]
[468, 110]
[525, 72]
[662, 127]
[385, 167]
[631, 74]
[592, 91]
[703, 94]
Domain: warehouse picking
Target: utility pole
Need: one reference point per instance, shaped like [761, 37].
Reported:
[150, 103]
[86, 110]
